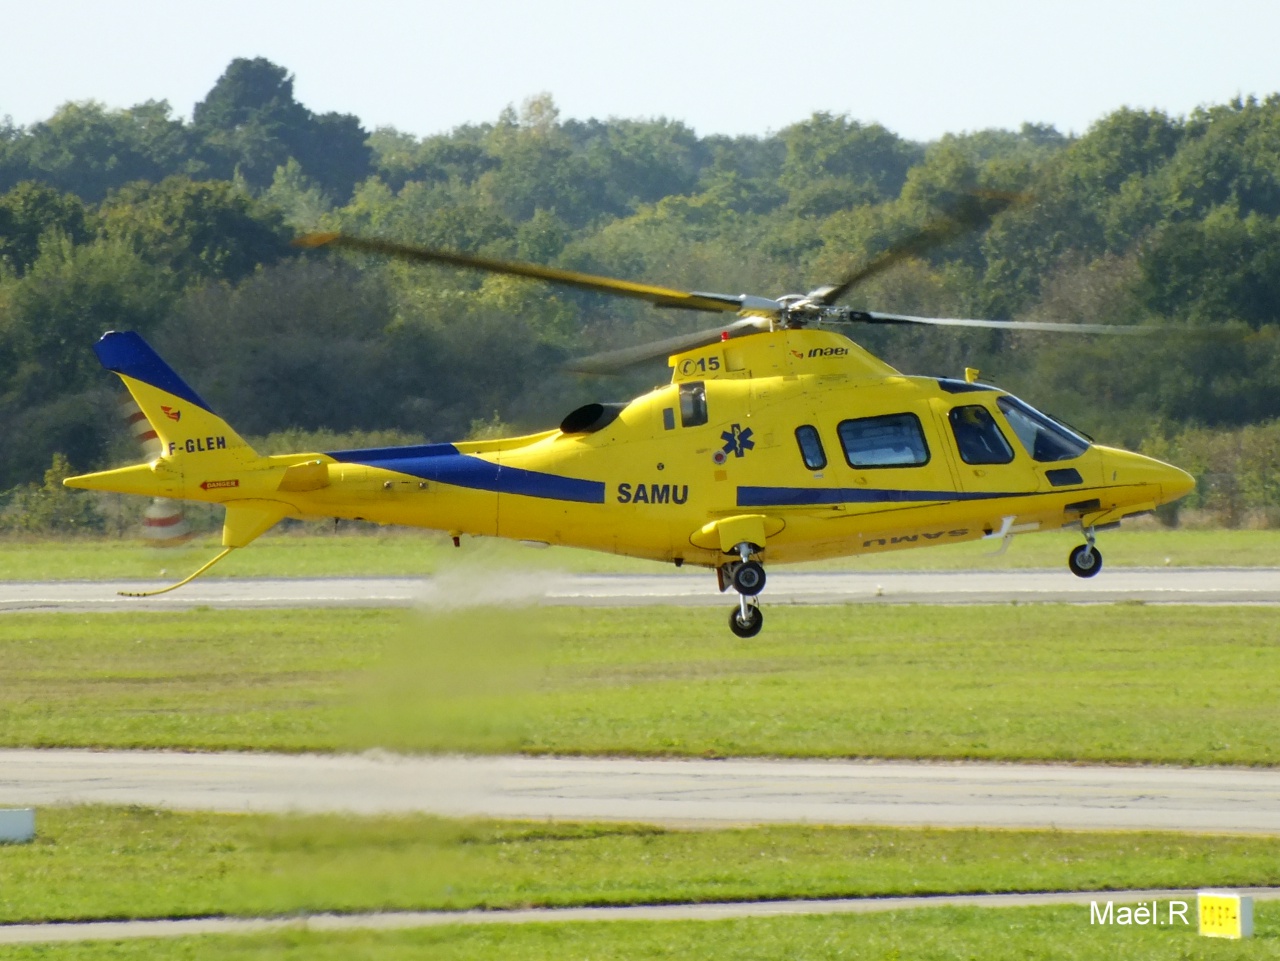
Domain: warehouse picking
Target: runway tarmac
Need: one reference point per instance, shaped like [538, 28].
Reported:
[678, 792]
[690, 588]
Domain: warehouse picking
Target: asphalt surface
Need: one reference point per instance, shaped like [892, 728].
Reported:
[678, 792]
[400, 920]
[693, 588]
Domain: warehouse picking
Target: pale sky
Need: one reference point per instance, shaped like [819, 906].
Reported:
[920, 67]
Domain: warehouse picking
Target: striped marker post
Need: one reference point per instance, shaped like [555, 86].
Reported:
[163, 523]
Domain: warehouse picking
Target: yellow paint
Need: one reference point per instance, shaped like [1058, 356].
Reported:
[680, 494]
[728, 532]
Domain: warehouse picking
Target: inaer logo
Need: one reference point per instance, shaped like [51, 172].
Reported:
[171, 413]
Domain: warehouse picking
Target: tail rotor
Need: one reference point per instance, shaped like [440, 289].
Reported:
[163, 522]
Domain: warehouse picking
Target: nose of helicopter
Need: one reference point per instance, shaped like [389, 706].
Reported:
[1125, 468]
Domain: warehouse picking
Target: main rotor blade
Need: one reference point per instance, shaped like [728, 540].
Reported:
[875, 317]
[661, 296]
[964, 217]
[612, 361]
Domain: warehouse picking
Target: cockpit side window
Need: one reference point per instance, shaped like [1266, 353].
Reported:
[977, 437]
[1043, 437]
[815, 458]
[693, 404]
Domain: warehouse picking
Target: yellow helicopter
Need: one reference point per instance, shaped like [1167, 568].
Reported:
[777, 441]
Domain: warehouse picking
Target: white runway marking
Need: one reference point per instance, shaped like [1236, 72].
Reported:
[690, 588]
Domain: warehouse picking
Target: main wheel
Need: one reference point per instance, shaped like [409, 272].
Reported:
[1085, 561]
[748, 578]
[751, 626]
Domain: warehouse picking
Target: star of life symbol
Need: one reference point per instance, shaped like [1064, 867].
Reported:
[737, 440]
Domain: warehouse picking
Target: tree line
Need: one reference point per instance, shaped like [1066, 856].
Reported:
[136, 219]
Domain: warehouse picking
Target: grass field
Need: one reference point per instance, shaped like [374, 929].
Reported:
[936, 934]
[1108, 683]
[408, 553]
[110, 862]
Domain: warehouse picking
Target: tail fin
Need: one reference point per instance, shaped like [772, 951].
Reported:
[181, 421]
[194, 443]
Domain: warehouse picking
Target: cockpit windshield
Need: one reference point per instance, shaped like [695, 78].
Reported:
[1043, 437]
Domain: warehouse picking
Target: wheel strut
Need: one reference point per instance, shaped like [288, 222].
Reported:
[747, 578]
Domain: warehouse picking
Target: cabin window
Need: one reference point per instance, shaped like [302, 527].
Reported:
[815, 458]
[668, 418]
[977, 437]
[1043, 437]
[895, 440]
[693, 404]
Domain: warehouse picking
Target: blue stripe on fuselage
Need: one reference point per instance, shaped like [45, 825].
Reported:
[444, 464]
[806, 496]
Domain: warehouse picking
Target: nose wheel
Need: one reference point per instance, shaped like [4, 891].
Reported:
[747, 578]
[1085, 560]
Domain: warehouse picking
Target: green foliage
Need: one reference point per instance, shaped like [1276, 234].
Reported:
[636, 162]
[297, 440]
[1237, 472]
[489, 428]
[1228, 157]
[305, 206]
[834, 163]
[88, 150]
[459, 157]
[27, 213]
[538, 167]
[1223, 267]
[197, 230]
[50, 508]
[51, 385]
[251, 125]
[134, 219]
[298, 344]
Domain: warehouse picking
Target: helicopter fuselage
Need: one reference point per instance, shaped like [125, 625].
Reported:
[797, 442]
[799, 428]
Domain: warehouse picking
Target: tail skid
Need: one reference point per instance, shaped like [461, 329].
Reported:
[186, 580]
[244, 522]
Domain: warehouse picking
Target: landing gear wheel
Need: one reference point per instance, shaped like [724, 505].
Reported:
[748, 578]
[748, 627]
[1085, 561]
